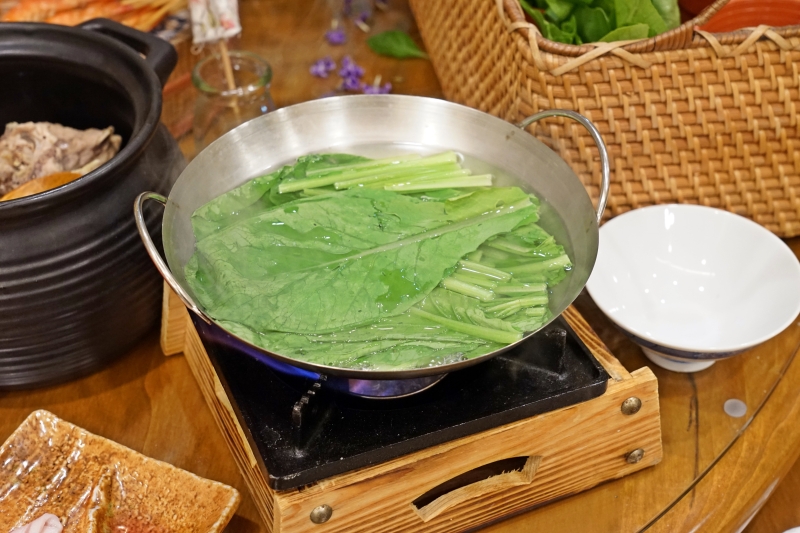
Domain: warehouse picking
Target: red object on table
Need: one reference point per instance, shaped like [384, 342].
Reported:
[694, 7]
[738, 14]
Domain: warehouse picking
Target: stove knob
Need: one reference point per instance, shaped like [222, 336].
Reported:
[321, 514]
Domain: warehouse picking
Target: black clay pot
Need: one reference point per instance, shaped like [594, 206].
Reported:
[76, 285]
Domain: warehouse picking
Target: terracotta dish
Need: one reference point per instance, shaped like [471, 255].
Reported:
[94, 484]
[738, 14]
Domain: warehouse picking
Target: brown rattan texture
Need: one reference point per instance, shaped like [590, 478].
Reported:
[687, 116]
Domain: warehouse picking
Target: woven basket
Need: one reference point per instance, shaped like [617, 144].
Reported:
[688, 116]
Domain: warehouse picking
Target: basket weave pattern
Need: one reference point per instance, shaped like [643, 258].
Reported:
[687, 116]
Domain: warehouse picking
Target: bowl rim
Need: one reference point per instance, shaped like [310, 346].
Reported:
[777, 243]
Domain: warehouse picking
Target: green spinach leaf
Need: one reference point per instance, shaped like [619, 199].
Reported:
[669, 11]
[634, 12]
[395, 44]
[627, 33]
[593, 23]
[320, 264]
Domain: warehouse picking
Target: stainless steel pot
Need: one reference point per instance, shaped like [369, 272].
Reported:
[353, 124]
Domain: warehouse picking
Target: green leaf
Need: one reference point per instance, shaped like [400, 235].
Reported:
[634, 12]
[609, 8]
[259, 193]
[593, 23]
[628, 33]
[669, 11]
[320, 264]
[567, 33]
[558, 10]
[395, 343]
[395, 44]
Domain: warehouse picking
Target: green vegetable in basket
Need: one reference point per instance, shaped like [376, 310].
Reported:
[395, 263]
[584, 21]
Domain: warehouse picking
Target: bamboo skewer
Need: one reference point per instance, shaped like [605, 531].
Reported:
[226, 66]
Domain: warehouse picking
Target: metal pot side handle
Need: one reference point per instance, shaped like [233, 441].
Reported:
[601, 147]
[152, 251]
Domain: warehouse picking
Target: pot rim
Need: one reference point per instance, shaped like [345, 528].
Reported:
[140, 136]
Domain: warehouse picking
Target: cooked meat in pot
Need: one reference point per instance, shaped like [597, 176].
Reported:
[35, 149]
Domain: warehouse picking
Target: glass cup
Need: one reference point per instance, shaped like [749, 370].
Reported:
[219, 109]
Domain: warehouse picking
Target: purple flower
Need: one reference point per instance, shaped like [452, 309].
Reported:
[376, 89]
[350, 69]
[335, 37]
[347, 8]
[361, 21]
[351, 84]
[322, 67]
[330, 64]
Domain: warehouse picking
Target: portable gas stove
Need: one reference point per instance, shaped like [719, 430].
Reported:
[554, 416]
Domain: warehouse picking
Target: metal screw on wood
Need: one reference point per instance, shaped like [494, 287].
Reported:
[321, 514]
[635, 456]
[631, 406]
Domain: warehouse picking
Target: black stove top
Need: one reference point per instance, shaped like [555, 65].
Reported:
[304, 437]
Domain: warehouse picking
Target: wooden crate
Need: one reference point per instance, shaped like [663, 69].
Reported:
[568, 450]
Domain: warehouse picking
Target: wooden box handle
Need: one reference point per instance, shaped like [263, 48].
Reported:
[480, 481]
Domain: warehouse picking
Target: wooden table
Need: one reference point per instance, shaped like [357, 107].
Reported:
[717, 470]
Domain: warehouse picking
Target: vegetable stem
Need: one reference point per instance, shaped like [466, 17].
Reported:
[478, 268]
[521, 302]
[561, 261]
[380, 175]
[484, 180]
[526, 288]
[330, 179]
[366, 164]
[467, 289]
[489, 334]
[404, 181]
[535, 311]
[480, 281]
[508, 246]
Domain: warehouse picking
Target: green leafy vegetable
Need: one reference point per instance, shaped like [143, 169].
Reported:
[627, 33]
[632, 12]
[579, 21]
[558, 10]
[371, 278]
[551, 30]
[593, 23]
[669, 11]
[402, 250]
[395, 44]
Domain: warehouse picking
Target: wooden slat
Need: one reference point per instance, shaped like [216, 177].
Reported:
[228, 424]
[173, 322]
[595, 345]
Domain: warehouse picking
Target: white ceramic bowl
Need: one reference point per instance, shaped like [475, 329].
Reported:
[693, 284]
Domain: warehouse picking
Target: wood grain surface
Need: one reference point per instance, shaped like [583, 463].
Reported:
[782, 510]
[152, 403]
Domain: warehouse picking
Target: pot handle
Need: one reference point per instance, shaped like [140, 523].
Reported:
[152, 251]
[158, 53]
[601, 147]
